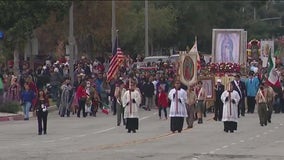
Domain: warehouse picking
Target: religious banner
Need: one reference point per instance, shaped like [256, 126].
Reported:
[267, 47]
[209, 86]
[188, 68]
[253, 51]
[229, 45]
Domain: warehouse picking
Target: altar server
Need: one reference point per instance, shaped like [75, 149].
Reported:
[230, 99]
[178, 111]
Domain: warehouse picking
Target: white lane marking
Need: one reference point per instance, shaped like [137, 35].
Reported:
[279, 142]
[242, 141]
[257, 136]
[26, 144]
[217, 149]
[49, 141]
[265, 133]
[225, 147]
[271, 131]
[145, 117]
[281, 124]
[81, 135]
[251, 138]
[212, 152]
[276, 127]
[65, 138]
[105, 130]
[233, 143]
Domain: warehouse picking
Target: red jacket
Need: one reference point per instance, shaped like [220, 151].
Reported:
[163, 100]
[81, 92]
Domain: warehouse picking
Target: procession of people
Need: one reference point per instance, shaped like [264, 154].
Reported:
[133, 89]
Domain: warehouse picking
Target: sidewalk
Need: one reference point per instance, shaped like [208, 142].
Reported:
[20, 115]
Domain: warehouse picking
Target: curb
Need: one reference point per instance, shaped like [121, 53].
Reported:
[18, 117]
[12, 118]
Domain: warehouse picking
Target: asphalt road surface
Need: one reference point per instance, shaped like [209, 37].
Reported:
[98, 138]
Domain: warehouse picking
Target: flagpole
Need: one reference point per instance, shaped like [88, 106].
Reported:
[117, 38]
[146, 29]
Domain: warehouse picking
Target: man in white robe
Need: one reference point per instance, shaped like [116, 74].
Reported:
[131, 100]
[178, 110]
[230, 99]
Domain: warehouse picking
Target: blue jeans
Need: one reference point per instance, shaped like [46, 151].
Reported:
[26, 109]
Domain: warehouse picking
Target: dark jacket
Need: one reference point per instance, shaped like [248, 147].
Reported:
[219, 90]
[241, 89]
[148, 89]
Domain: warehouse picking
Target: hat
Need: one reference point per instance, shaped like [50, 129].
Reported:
[219, 80]
[56, 70]
[81, 74]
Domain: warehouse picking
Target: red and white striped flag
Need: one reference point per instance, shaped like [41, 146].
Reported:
[114, 64]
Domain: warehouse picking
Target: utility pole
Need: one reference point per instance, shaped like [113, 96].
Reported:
[71, 41]
[146, 30]
[254, 14]
[113, 23]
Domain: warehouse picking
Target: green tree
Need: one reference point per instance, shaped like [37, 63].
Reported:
[20, 18]
[131, 25]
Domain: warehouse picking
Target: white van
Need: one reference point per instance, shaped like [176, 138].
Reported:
[155, 59]
[174, 58]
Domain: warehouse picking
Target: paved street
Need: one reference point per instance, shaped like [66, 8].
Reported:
[98, 138]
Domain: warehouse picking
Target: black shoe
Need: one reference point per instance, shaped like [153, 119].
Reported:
[179, 131]
[39, 133]
[199, 121]
[269, 121]
[225, 130]
[261, 124]
[129, 131]
[215, 118]
[231, 131]
[44, 132]
[134, 131]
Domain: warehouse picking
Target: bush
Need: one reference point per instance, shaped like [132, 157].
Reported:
[10, 107]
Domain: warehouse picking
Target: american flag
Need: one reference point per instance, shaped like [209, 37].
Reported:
[114, 64]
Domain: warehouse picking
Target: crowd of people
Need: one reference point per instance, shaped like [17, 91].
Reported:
[155, 86]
